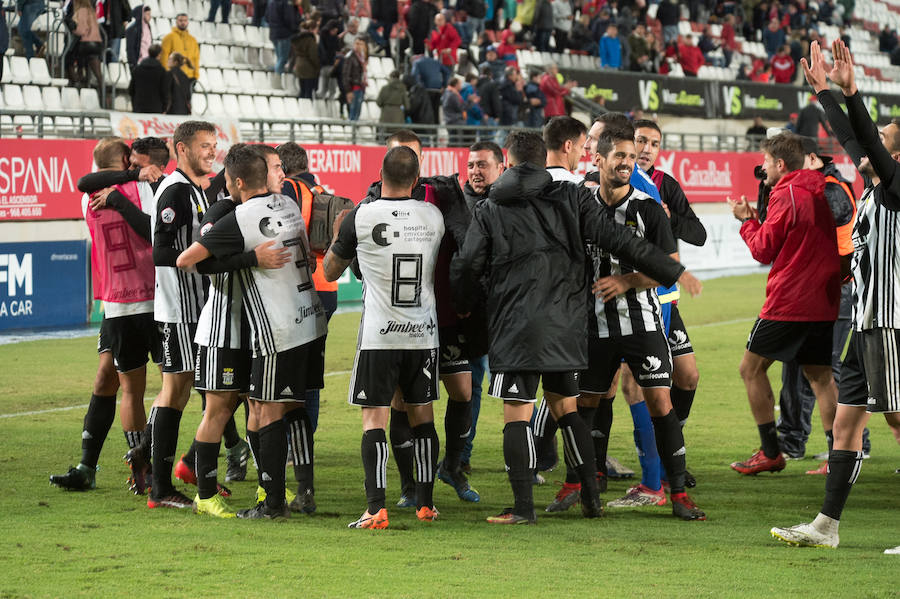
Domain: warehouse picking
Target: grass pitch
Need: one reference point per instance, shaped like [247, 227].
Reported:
[105, 543]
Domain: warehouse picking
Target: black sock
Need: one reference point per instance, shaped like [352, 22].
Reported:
[145, 446]
[191, 456]
[374, 458]
[230, 435]
[273, 455]
[134, 438]
[301, 447]
[670, 445]
[518, 452]
[768, 438]
[579, 450]
[603, 419]
[843, 468]
[682, 400]
[457, 424]
[253, 441]
[206, 466]
[100, 415]
[402, 447]
[427, 447]
[829, 438]
[165, 442]
[545, 428]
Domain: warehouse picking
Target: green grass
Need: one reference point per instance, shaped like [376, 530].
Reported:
[106, 543]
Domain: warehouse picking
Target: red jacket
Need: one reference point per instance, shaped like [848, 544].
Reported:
[783, 69]
[798, 240]
[556, 105]
[447, 37]
[691, 58]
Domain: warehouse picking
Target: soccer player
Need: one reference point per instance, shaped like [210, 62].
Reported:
[798, 239]
[287, 321]
[564, 138]
[122, 263]
[869, 373]
[179, 206]
[531, 251]
[396, 239]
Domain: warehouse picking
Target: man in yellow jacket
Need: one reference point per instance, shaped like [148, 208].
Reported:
[179, 40]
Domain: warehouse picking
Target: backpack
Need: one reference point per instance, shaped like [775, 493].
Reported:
[322, 214]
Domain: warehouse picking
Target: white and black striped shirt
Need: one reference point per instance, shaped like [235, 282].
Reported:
[636, 310]
[876, 265]
[178, 208]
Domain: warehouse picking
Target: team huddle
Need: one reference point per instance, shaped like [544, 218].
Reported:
[548, 279]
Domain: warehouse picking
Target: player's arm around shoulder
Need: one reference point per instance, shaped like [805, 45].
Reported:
[343, 249]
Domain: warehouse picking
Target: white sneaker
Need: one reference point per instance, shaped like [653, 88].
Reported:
[893, 551]
[806, 535]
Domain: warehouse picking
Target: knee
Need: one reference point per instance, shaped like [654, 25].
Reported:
[687, 379]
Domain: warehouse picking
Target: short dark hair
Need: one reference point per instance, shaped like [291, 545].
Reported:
[646, 124]
[612, 118]
[613, 134]
[787, 147]
[561, 129]
[266, 150]
[247, 163]
[185, 132]
[496, 150]
[400, 167]
[895, 140]
[110, 151]
[403, 136]
[154, 50]
[153, 147]
[293, 157]
[526, 146]
[181, 14]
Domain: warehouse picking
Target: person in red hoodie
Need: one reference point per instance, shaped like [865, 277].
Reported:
[444, 40]
[690, 56]
[802, 293]
[555, 92]
[783, 67]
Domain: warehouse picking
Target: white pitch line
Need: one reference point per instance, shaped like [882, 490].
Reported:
[85, 406]
[722, 323]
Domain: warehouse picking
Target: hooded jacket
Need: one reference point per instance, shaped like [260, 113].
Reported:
[393, 101]
[305, 49]
[798, 240]
[527, 239]
[133, 35]
[185, 44]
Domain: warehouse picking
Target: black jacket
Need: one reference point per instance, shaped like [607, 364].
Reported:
[150, 87]
[685, 224]
[489, 92]
[118, 12]
[180, 89]
[512, 99]
[133, 35]
[529, 238]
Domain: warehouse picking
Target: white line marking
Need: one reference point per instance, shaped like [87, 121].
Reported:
[722, 323]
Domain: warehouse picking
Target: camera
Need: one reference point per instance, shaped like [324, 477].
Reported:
[759, 172]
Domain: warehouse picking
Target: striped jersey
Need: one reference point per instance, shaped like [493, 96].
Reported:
[397, 243]
[876, 265]
[178, 208]
[221, 319]
[559, 173]
[636, 310]
[281, 303]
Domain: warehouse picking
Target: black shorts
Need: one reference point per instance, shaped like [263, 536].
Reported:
[178, 347]
[853, 390]
[287, 375]
[222, 369]
[879, 350]
[130, 339]
[523, 386]
[378, 372]
[679, 342]
[809, 343]
[647, 354]
[454, 351]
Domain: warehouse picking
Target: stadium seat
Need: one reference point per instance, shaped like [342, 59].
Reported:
[198, 103]
[181, 6]
[121, 103]
[261, 84]
[208, 54]
[223, 33]
[216, 81]
[207, 31]
[198, 10]
[223, 56]
[7, 72]
[71, 100]
[214, 105]
[263, 107]
[167, 9]
[119, 75]
[39, 73]
[89, 99]
[238, 34]
[12, 97]
[233, 84]
[21, 72]
[247, 107]
[231, 106]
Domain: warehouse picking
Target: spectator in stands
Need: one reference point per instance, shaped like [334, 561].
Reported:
[474, 113]
[28, 11]
[745, 73]
[349, 35]
[283, 17]
[535, 100]
[305, 58]
[475, 13]
[512, 96]
[708, 47]
[116, 14]
[330, 9]
[329, 47]
[599, 25]
[543, 25]
[756, 133]
[359, 9]
[610, 48]
[506, 49]
[214, 8]
[783, 67]
[181, 87]
[179, 40]
[421, 110]
[384, 17]
[581, 38]
[4, 37]
[138, 36]
[488, 89]
[669, 14]
[811, 116]
[444, 41]
[640, 50]
[354, 77]
[554, 92]
[729, 43]
[151, 84]
[419, 23]
[432, 76]
[690, 57]
[90, 46]
[791, 125]
[393, 100]
[887, 40]
[563, 19]
[493, 62]
[773, 37]
[454, 108]
[763, 74]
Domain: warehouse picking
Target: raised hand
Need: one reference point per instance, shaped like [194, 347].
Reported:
[816, 70]
[842, 72]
